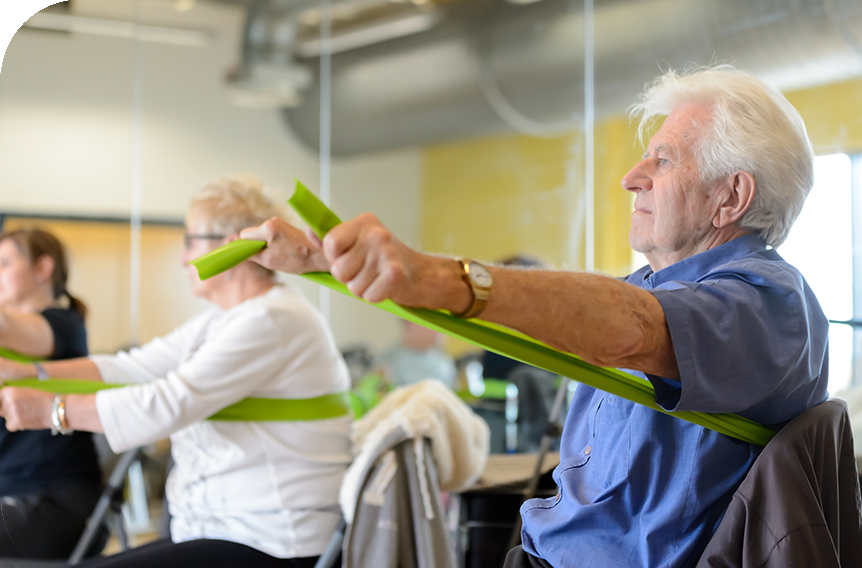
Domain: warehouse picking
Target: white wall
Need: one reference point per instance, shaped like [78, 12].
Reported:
[66, 135]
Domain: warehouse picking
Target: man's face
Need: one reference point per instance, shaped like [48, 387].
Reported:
[674, 209]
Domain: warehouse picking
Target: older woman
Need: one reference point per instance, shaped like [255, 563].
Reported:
[241, 493]
[48, 485]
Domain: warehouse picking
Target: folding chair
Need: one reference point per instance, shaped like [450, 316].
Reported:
[332, 554]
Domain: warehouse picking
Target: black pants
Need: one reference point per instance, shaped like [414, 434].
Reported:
[47, 524]
[519, 558]
[210, 553]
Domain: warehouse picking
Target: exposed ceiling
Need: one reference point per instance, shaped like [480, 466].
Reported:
[416, 72]
[488, 66]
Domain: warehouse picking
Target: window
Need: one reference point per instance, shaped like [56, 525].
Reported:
[821, 246]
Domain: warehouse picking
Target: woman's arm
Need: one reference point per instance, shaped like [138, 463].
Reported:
[30, 409]
[235, 361]
[80, 368]
[81, 413]
[26, 333]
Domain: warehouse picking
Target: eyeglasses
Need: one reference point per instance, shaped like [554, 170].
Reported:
[188, 238]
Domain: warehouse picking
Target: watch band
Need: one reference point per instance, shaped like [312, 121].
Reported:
[41, 373]
[481, 294]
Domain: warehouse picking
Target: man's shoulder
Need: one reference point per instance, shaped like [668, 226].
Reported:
[765, 268]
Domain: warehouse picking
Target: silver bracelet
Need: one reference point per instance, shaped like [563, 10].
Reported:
[58, 417]
[41, 373]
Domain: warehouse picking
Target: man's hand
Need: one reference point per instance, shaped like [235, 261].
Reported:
[287, 248]
[26, 409]
[367, 257]
[373, 263]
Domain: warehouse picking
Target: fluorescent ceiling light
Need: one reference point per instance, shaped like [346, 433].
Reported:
[118, 28]
[360, 37]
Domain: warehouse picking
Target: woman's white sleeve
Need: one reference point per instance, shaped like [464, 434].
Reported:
[244, 355]
[150, 361]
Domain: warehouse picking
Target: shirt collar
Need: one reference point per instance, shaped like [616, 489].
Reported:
[693, 267]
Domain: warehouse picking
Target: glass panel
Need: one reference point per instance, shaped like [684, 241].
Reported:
[462, 127]
[66, 148]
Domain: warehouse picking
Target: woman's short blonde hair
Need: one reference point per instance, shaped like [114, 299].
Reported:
[226, 206]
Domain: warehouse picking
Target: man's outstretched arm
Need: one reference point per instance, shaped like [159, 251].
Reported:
[605, 321]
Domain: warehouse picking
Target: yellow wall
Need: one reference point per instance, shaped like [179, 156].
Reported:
[494, 197]
[833, 115]
[617, 150]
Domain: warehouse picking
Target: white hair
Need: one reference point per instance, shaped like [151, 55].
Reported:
[228, 205]
[753, 129]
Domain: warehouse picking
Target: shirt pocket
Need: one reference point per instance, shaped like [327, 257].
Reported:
[610, 443]
[613, 409]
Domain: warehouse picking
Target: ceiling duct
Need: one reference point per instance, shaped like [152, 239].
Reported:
[268, 75]
[498, 67]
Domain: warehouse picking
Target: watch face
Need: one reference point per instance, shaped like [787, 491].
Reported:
[480, 275]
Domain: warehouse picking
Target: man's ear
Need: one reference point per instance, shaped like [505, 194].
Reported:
[737, 192]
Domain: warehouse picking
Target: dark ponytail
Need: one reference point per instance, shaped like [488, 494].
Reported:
[35, 243]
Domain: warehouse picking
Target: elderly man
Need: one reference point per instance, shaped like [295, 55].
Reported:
[718, 321]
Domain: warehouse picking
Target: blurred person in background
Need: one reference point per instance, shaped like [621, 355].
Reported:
[417, 356]
[241, 493]
[48, 484]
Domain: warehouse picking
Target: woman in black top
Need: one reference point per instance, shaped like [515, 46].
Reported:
[49, 484]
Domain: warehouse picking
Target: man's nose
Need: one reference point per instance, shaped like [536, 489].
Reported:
[637, 179]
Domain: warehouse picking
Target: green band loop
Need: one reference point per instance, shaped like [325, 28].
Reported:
[226, 257]
[311, 210]
[247, 410]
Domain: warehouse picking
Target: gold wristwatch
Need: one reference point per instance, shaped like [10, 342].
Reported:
[479, 280]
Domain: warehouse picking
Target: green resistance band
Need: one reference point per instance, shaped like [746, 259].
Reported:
[311, 210]
[510, 343]
[18, 357]
[247, 410]
[229, 255]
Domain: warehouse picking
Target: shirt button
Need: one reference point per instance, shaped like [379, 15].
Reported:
[611, 400]
[588, 450]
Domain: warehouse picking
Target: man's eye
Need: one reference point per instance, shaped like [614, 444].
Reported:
[663, 161]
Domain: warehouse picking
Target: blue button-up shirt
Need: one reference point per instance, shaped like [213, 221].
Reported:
[640, 488]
